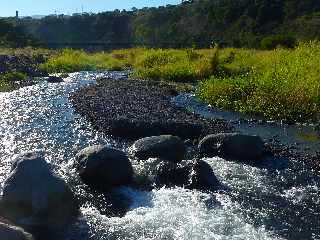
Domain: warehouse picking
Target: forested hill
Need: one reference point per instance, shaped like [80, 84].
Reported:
[239, 23]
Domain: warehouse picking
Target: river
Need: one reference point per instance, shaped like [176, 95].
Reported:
[279, 199]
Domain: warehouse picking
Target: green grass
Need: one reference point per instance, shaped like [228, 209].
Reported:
[70, 60]
[281, 84]
[175, 65]
[155, 64]
[7, 80]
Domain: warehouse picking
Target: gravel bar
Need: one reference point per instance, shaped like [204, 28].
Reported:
[133, 109]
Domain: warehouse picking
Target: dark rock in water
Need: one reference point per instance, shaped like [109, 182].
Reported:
[203, 177]
[54, 79]
[170, 174]
[104, 167]
[34, 196]
[191, 174]
[135, 109]
[113, 203]
[10, 232]
[166, 147]
[232, 146]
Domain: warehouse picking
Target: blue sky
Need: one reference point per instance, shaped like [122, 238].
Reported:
[45, 7]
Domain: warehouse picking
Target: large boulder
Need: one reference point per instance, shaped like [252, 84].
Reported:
[33, 195]
[166, 147]
[103, 167]
[234, 146]
[10, 232]
[196, 174]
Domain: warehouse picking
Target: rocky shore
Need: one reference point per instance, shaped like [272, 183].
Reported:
[133, 109]
[28, 65]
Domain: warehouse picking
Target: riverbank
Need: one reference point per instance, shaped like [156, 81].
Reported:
[18, 67]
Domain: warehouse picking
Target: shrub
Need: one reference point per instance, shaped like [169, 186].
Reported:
[272, 42]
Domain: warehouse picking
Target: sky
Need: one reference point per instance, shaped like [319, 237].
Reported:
[46, 7]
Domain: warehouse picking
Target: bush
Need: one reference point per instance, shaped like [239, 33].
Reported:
[272, 42]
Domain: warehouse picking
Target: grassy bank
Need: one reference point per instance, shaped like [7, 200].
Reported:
[152, 64]
[280, 84]
[17, 64]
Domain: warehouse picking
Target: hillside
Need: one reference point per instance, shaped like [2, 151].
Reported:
[242, 23]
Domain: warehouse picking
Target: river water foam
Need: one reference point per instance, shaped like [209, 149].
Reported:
[271, 201]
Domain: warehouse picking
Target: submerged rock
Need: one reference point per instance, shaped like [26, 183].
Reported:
[10, 232]
[103, 167]
[234, 146]
[196, 174]
[166, 147]
[34, 196]
[54, 79]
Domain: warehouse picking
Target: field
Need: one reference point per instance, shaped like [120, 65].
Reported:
[280, 84]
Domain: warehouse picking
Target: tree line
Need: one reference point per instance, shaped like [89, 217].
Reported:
[197, 23]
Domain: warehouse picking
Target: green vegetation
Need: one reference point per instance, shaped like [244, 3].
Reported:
[272, 42]
[7, 80]
[151, 64]
[175, 65]
[232, 23]
[12, 34]
[69, 60]
[280, 84]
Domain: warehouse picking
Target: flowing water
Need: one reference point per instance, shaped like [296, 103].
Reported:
[279, 199]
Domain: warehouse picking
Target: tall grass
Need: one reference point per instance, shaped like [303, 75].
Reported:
[156, 64]
[280, 84]
[70, 60]
[175, 65]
